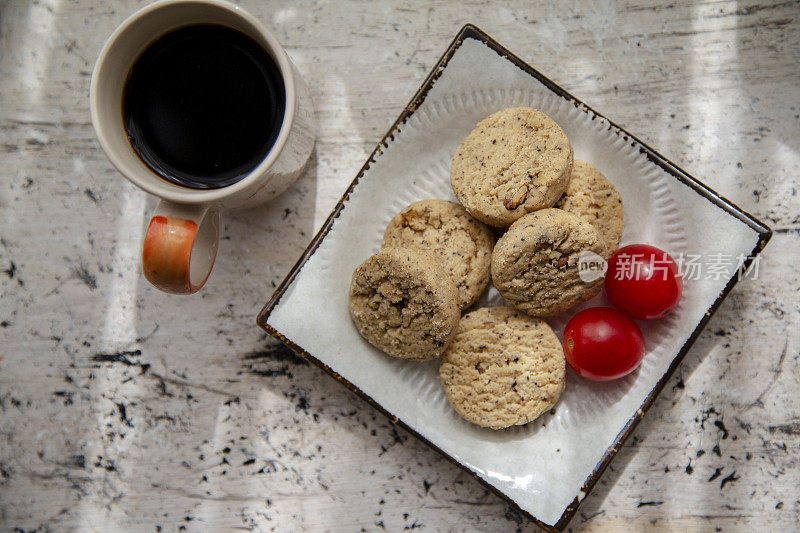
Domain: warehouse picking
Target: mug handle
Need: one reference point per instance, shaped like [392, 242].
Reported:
[180, 246]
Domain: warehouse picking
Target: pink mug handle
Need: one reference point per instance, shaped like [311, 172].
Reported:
[180, 247]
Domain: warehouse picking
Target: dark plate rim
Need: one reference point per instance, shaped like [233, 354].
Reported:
[470, 31]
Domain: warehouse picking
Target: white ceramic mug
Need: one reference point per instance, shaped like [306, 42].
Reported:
[182, 238]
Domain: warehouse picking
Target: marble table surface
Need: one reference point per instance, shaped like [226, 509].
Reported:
[122, 408]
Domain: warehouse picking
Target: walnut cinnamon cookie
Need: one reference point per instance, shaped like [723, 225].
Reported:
[404, 303]
[503, 368]
[461, 244]
[535, 263]
[515, 161]
[593, 198]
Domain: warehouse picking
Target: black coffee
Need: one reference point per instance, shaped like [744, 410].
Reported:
[203, 105]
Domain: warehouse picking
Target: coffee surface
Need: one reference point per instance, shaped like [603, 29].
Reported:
[203, 105]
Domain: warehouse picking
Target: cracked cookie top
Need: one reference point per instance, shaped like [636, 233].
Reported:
[515, 161]
[535, 263]
[503, 368]
[460, 243]
[593, 198]
[404, 303]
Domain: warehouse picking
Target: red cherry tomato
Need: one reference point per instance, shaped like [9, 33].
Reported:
[602, 344]
[643, 282]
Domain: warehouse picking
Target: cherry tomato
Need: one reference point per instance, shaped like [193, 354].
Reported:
[643, 282]
[602, 344]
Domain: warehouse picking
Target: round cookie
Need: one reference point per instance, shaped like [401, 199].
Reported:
[515, 161]
[593, 198]
[462, 245]
[403, 303]
[503, 368]
[535, 263]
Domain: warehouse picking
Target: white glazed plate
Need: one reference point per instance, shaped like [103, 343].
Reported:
[547, 467]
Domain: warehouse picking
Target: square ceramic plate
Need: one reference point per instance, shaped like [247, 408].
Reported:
[548, 466]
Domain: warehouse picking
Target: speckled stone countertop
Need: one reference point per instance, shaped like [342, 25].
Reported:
[122, 408]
